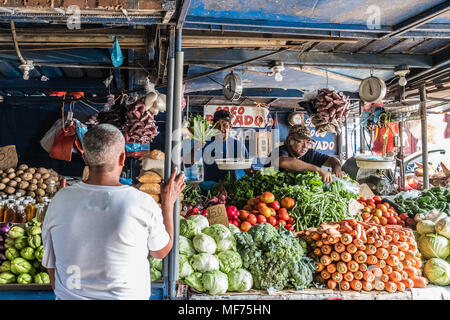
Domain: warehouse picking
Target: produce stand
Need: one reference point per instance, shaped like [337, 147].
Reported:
[429, 293]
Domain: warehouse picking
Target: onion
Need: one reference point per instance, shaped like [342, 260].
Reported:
[4, 228]
[222, 197]
[2, 257]
[214, 200]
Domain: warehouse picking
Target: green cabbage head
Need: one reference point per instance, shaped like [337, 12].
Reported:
[239, 280]
[438, 271]
[216, 282]
[434, 246]
[229, 260]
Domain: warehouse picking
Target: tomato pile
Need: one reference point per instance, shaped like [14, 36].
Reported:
[376, 211]
[266, 209]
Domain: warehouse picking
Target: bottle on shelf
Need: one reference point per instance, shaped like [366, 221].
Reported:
[10, 212]
[20, 216]
[51, 189]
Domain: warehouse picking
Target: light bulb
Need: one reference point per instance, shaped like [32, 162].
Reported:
[278, 77]
[402, 81]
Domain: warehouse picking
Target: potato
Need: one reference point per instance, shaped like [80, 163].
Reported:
[34, 181]
[42, 170]
[2, 186]
[22, 167]
[10, 190]
[5, 180]
[11, 175]
[32, 187]
[31, 194]
[37, 176]
[24, 185]
[40, 181]
[12, 183]
[4, 175]
[1, 171]
[17, 179]
[19, 172]
[42, 186]
[31, 170]
[46, 176]
[10, 170]
[40, 192]
[27, 176]
[22, 192]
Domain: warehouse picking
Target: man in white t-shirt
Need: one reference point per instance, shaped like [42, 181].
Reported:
[97, 234]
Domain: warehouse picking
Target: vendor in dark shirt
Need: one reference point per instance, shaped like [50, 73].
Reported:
[296, 154]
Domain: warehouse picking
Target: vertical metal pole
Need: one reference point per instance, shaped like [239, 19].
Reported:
[424, 136]
[168, 139]
[176, 157]
[401, 154]
[339, 141]
[361, 129]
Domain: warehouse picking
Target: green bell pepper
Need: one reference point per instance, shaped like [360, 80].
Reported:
[42, 277]
[7, 277]
[21, 242]
[20, 265]
[11, 254]
[34, 241]
[16, 232]
[27, 253]
[24, 278]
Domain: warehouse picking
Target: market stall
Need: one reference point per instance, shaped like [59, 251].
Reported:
[274, 234]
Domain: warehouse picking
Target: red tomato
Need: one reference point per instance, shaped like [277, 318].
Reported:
[261, 219]
[377, 199]
[272, 220]
[282, 222]
[386, 215]
[386, 205]
[392, 220]
[382, 207]
[243, 214]
[276, 227]
[236, 223]
[251, 218]
[403, 216]
[245, 226]
[288, 202]
[362, 199]
[402, 223]
[283, 215]
[267, 197]
[291, 220]
[275, 205]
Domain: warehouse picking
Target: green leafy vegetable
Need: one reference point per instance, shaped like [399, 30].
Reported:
[200, 129]
[434, 246]
[195, 281]
[216, 282]
[186, 247]
[229, 260]
[204, 243]
[239, 280]
[438, 271]
[203, 262]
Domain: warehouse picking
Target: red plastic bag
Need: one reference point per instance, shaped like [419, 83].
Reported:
[379, 139]
[64, 141]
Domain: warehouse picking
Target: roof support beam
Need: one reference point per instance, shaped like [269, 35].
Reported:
[418, 20]
[375, 61]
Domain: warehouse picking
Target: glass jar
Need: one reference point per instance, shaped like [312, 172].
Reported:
[10, 212]
[40, 212]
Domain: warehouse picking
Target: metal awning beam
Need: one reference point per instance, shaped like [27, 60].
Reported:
[52, 84]
[418, 20]
[254, 93]
[363, 60]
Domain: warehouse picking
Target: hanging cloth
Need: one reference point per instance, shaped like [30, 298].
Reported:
[116, 54]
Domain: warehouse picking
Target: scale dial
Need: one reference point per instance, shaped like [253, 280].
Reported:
[372, 89]
[232, 87]
[295, 118]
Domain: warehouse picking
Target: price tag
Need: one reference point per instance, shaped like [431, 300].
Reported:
[218, 215]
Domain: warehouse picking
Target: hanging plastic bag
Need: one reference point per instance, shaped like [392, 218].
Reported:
[49, 137]
[379, 139]
[64, 142]
[116, 54]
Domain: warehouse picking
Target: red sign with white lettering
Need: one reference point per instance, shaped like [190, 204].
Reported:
[250, 117]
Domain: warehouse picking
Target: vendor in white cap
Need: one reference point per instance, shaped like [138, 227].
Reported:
[296, 154]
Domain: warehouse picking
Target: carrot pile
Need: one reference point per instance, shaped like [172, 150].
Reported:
[363, 256]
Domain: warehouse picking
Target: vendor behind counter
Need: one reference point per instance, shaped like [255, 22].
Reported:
[220, 146]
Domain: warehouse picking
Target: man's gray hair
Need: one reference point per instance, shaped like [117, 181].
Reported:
[103, 145]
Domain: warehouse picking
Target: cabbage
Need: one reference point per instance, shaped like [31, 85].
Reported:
[189, 228]
[200, 220]
[438, 271]
[215, 282]
[155, 263]
[233, 228]
[186, 247]
[443, 227]
[222, 235]
[185, 268]
[240, 280]
[204, 262]
[425, 226]
[434, 246]
[229, 260]
[195, 281]
[204, 243]
[448, 259]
